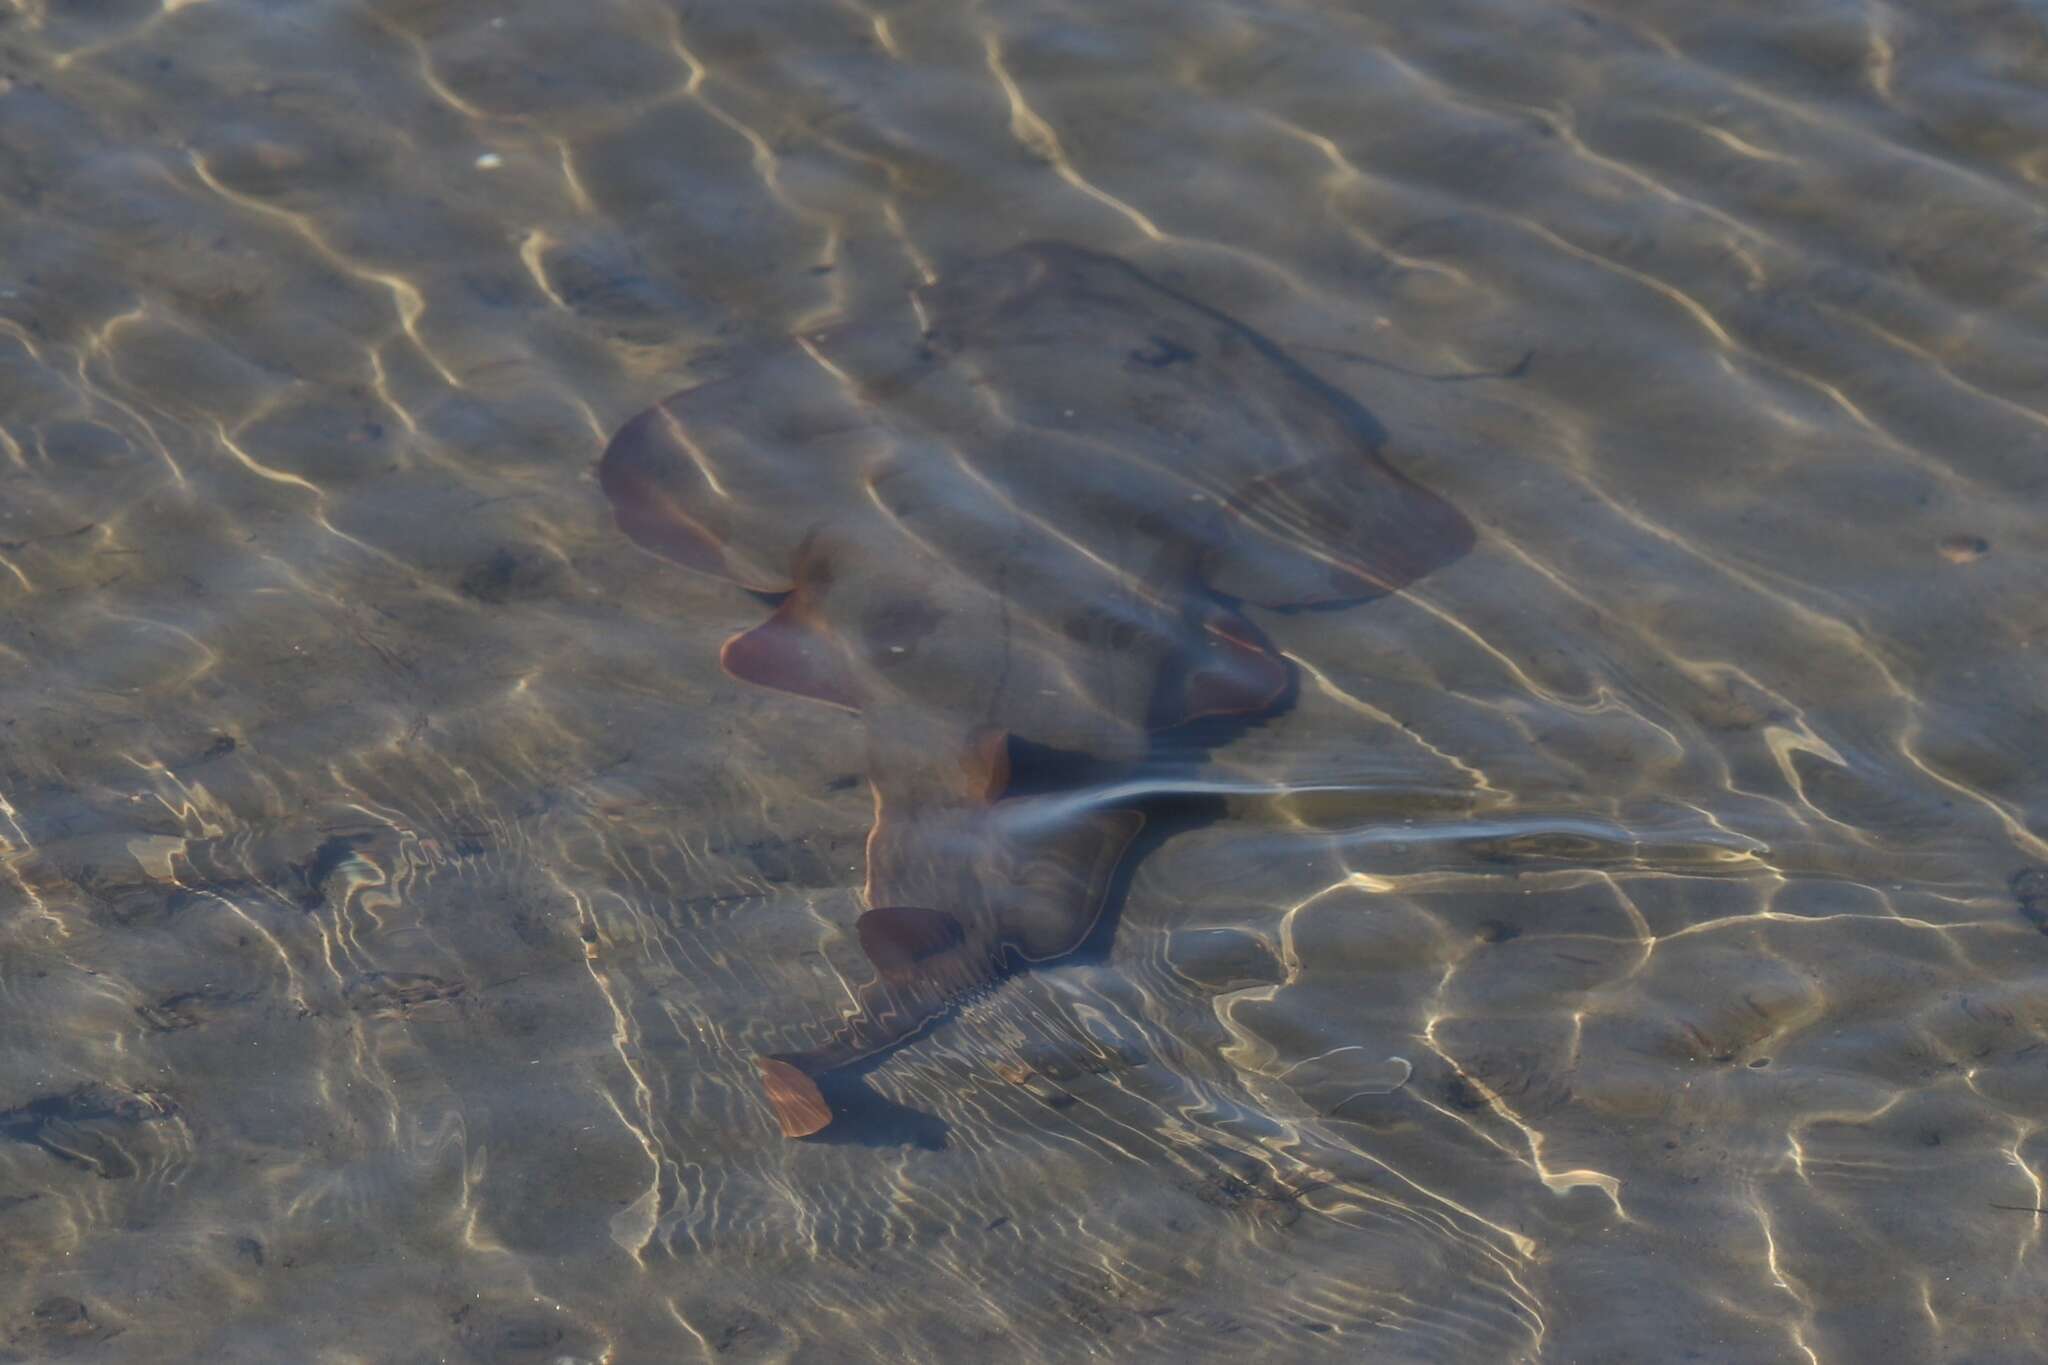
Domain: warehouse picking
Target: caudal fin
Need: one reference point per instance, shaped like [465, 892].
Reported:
[799, 1105]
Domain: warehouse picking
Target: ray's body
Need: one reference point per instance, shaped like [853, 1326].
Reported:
[1029, 507]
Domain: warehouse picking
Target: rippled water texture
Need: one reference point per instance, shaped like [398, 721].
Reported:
[1627, 947]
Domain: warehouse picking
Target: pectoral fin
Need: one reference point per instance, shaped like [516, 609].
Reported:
[1340, 529]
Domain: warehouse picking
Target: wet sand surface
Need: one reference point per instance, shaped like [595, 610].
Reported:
[1629, 946]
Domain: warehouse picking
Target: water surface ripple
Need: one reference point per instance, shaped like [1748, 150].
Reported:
[1628, 947]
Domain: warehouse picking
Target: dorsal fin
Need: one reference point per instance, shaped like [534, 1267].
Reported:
[905, 941]
[1055, 865]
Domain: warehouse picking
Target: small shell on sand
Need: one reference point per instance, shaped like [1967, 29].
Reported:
[1962, 549]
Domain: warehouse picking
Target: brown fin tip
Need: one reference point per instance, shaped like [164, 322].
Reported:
[799, 1105]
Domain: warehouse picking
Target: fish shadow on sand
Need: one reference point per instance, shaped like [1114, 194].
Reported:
[860, 1116]
[1014, 527]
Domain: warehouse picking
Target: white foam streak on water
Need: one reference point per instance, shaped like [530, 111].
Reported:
[393, 895]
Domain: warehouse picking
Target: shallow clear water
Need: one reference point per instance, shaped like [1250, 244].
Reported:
[1624, 949]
